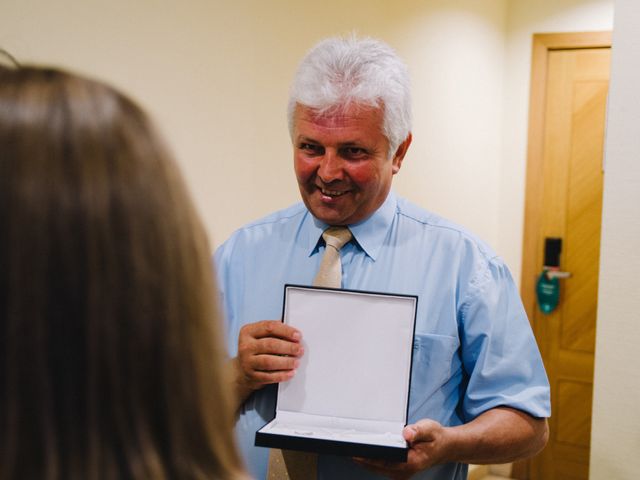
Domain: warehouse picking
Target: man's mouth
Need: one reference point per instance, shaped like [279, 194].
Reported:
[331, 193]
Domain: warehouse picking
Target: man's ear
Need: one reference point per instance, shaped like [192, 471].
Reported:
[400, 153]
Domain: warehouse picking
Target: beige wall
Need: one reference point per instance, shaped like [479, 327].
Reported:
[615, 451]
[215, 75]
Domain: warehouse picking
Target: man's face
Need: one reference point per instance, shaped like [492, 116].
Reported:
[342, 163]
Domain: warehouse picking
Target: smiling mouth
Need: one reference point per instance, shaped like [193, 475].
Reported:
[331, 193]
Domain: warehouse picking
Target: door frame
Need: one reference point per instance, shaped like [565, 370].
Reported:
[543, 44]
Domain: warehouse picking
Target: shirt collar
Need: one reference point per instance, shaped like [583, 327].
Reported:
[369, 233]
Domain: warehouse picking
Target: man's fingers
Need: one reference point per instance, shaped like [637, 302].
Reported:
[270, 346]
[421, 431]
[271, 363]
[410, 433]
[268, 352]
[260, 370]
[272, 328]
[266, 378]
[275, 346]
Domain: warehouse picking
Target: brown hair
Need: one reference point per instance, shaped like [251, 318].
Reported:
[111, 359]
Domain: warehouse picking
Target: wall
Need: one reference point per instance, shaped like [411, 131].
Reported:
[215, 75]
[615, 441]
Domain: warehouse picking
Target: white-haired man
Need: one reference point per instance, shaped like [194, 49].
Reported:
[479, 393]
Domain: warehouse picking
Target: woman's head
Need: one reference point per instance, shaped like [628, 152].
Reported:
[111, 356]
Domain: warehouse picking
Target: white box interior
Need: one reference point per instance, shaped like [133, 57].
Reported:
[353, 381]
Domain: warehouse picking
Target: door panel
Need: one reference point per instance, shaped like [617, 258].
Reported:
[564, 199]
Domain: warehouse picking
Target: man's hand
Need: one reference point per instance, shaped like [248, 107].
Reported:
[499, 435]
[268, 352]
[428, 441]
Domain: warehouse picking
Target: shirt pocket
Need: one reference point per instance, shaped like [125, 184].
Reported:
[435, 362]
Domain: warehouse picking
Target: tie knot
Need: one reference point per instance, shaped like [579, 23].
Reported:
[337, 237]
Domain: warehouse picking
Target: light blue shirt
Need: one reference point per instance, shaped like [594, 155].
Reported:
[473, 348]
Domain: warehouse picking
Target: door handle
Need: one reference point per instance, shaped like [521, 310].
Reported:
[552, 250]
[556, 273]
[548, 284]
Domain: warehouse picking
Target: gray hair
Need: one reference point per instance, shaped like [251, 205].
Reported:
[338, 72]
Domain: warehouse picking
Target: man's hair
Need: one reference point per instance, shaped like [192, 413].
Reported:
[111, 361]
[339, 72]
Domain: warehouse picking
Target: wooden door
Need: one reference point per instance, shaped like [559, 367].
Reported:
[564, 199]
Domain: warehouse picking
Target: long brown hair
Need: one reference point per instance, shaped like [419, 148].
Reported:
[111, 361]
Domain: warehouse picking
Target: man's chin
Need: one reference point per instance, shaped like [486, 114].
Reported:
[330, 216]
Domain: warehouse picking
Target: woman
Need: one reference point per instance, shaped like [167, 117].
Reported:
[111, 362]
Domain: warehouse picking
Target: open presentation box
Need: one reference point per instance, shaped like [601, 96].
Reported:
[350, 394]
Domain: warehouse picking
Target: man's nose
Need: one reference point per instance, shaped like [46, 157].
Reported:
[330, 168]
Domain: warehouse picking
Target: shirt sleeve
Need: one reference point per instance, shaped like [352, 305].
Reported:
[224, 277]
[499, 351]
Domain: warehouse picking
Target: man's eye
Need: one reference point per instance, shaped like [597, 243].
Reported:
[354, 152]
[311, 149]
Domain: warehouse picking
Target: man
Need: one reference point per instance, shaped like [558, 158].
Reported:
[479, 393]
